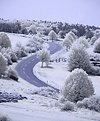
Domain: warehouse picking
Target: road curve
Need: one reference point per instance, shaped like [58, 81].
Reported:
[25, 67]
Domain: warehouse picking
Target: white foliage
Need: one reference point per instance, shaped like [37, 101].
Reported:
[67, 43]
[4, 40]
[3, 64]
[78, 58]
[68, 106]
[45, 46]
[32, 29]
[7, 56]
[12, 74]
[52, 35]
[44, 56]
[93, 39]
[77, 86]
[69, 39]
[97, 33]
[20, 51]
[92, 103]
[97, 46]
[72, 36]
[83, 42]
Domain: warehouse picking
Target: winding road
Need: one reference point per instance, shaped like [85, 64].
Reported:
[25, 67]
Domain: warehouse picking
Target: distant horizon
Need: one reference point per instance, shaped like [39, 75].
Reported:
[49, 21]
[84, 12]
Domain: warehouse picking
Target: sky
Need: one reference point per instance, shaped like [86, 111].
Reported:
[70, 11]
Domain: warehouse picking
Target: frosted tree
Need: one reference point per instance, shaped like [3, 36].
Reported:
[20, 51]
[3, 64]
[69, 39]
[97, 33]
[44, 56]
[32, 29]
[77, 86]
[82, 41]
[79, 58]
[72, 36]
[93, 39]
[67, 43]
[97, 46]
[52, 35]
[4, 40]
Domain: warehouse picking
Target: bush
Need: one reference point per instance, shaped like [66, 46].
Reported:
[79, 58]
[13, 56]
[68, 106]
[97, 46]
[3, 64]
[20, 51]
[92, 103]
[77, 86]
[83, 42]
[93, 39]
[9, 61]
[4, 40]
[52, 35]
[12, 74]
[32, 29]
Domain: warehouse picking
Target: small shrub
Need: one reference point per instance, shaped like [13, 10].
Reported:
[4, 40]
[93, 39]
[68, 106]
[83, 42]
[92, 103]
[12, 74]
[3, 64]
[77, 86]
[13, 56]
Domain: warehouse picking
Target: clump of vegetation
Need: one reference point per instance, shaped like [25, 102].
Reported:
[77, 86]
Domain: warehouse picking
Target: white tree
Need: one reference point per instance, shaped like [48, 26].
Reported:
[93, 39]
[79, 58]
[77, 86]
[52, 35]
[4, 40]
[67, 43]
[97, 46]
[32, 29]
[69, 39]
[97, 33]
[44, 56]
[72, 36]
[3, 64]
[82, 41]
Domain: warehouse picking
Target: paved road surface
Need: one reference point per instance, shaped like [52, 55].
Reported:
[25, 67]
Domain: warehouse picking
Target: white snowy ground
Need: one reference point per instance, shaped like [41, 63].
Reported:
[38, 107]
[18, 38]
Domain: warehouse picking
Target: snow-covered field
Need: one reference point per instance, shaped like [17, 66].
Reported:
[38, 107]
[18, 38]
